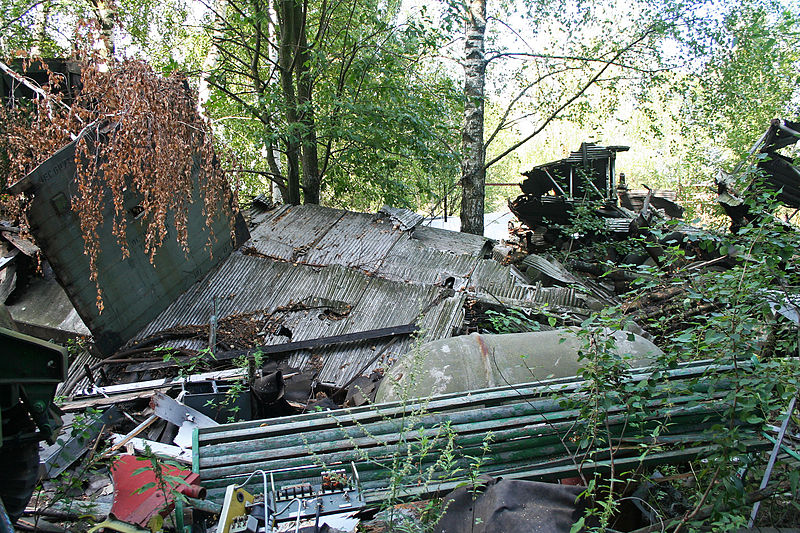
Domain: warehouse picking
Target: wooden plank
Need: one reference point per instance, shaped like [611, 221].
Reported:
[532, 416]
[5, 261]
[158, 384]
[24, 246]
[377, 459]
[133, 433]
[103, 401]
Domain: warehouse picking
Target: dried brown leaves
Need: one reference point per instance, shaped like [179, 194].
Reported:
[140, 134]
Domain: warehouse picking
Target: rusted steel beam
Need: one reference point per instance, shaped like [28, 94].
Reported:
[287, 347]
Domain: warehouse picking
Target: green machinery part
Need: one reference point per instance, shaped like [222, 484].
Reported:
[30, 371]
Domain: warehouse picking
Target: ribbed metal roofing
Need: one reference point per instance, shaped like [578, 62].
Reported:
[315, 259]
[246, 284]
[404, 218]
[552, 269]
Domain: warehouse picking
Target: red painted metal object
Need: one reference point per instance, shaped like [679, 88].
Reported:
[136, 506]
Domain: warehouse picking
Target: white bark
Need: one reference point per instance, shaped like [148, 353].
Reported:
[473, 169]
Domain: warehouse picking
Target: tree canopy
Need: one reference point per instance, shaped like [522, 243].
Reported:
[359, 103]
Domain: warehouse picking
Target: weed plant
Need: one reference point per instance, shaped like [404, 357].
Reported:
[744, 328]
[418, 457]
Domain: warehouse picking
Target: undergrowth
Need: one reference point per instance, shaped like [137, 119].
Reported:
[747, 337]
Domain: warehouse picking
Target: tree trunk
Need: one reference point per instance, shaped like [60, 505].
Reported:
[278, 187]
[212, 57]
[104, 12]
[473, 169]
[42, 22]
[305, 112]
[290, 26]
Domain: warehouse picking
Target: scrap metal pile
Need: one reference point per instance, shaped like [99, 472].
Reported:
[271, 384]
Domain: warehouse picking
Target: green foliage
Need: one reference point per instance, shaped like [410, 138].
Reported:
[149, 29]
[421, 457]
[511, 320]
[380, 121]
[585, 222]
[741, 327]
[72, 482]
[165, 480]
[187, 365]
[752, 74]
[76, 346]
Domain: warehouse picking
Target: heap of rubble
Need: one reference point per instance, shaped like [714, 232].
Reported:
[257, 378]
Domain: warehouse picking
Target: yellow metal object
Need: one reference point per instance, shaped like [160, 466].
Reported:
[232, 507]
[116, 525]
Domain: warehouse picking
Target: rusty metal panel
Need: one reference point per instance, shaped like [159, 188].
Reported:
[134, 291]
[248, 284]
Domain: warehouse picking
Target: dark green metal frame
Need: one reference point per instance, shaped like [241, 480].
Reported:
[30, 371]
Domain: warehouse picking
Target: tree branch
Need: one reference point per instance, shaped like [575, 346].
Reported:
[574, 97]
[568, 58]
[502, 123]
[18, 18]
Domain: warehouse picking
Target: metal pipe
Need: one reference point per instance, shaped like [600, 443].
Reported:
[206, 506]
[773, 456]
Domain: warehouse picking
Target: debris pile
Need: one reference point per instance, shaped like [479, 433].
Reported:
[286, 379]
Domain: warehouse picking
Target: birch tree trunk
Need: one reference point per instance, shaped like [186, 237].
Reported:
[104, 12]
[210, 62]
[473, 169]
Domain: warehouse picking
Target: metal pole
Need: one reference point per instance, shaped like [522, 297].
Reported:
[212, 326]
[773, 456]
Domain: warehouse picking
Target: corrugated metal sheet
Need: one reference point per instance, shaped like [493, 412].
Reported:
[323, 236]
[521, 295]
[452, 241]
[491, 277]
[357, 240]
[618, 225]
[246, 284]
[412, 259]
[552, 269]
[404, 218]
[291, 230]
[324, 258]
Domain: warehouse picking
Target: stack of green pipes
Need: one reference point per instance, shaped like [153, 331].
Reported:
[532, 431]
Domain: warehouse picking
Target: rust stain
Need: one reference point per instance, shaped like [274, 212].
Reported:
[487, 366]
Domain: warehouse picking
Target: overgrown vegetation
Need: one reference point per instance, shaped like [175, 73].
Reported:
[356, 104]
[743, 337]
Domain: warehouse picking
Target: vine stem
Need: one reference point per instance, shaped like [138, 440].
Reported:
[699, 505]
